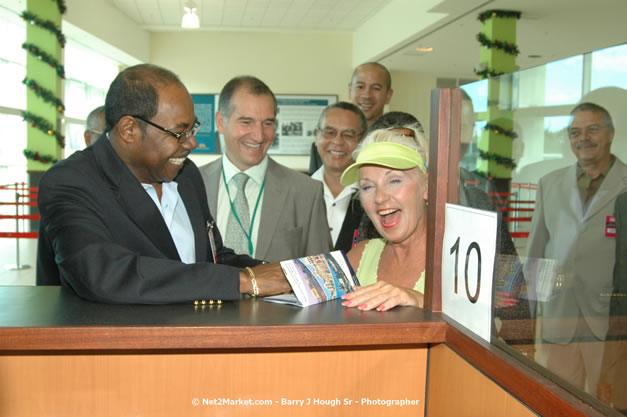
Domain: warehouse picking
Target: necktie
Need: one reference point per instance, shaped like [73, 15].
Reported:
[235, 237]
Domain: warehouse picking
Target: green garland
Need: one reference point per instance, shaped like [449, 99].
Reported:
[500, 131]
[35, 156]
[45, 94]
[61, 6]
[488, 73]
[43, 125]
[508, 48]
[43, 56]
[488, 14]
[44, 24]
[501, 160]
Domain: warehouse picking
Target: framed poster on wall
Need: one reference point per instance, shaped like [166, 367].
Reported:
[295, 129]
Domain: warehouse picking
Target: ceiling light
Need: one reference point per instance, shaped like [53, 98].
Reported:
[190, 18]
[425, 49]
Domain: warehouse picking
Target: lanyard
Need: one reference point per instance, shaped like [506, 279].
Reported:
[252, 220]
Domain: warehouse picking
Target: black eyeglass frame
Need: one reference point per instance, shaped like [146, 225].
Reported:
[180, 137]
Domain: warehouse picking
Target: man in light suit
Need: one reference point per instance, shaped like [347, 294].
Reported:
[285, 211]
[572, 225]
[127, 219]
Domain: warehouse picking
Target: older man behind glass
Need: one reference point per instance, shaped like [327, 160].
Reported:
[573, 212]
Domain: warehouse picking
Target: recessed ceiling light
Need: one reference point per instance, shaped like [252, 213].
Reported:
[424, 49]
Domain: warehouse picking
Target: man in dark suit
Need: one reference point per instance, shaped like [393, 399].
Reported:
[280, 213]
[127, 220]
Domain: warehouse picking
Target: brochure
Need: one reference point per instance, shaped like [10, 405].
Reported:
[316, 279]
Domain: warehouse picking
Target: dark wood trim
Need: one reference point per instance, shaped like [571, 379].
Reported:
[454, 146]
[539, 393]
[444, 147]
[438, 167]
[109, 338]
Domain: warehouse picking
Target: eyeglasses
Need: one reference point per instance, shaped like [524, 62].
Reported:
[180, 137]
[348, 135]
[592, 130]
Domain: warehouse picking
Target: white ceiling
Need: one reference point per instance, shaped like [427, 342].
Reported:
[254, 14]
[548, 30]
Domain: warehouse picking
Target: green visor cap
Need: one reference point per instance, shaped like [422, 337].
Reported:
[386, 154]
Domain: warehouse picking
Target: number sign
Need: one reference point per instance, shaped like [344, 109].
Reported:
[467, 266]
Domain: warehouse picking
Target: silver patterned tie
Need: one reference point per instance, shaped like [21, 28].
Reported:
[235, 237]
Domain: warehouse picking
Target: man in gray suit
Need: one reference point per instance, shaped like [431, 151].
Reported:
[572, 225]
[280, 213]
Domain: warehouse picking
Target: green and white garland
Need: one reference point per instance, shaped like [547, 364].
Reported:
[48, 96]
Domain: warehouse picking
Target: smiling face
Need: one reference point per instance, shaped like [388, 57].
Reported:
[369, 91]
[336, 139]
[394, 200]
[158, 156]
[249, 129]
[590, 138]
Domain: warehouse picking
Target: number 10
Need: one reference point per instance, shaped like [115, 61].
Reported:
[474, 245]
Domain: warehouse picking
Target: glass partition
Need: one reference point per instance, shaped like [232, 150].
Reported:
[546, 148]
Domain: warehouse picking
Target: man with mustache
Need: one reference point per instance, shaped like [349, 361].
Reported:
[573, 226]
[127, 220]
[264, 209]
[370, 89]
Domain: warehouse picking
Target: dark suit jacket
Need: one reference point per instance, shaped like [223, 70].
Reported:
[102, 235]
[350, 226]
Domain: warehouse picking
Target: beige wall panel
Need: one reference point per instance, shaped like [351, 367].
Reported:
[456, 388]
[166, 385]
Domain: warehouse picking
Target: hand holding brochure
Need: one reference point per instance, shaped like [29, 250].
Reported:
[316, 279]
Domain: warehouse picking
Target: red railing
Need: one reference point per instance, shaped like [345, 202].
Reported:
[520, 200]
[23, 196]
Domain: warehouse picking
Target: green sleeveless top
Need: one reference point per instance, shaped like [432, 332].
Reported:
[369, 265]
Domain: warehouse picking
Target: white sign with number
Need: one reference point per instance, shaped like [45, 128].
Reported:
[467, 267]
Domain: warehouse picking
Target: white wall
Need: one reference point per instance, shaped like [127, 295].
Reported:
[104, 21]
[412, 92]
[394, 25]
[289, 62]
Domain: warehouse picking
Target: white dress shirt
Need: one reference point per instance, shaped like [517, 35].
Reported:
[257, 174]
[176, 218]
[336, 206]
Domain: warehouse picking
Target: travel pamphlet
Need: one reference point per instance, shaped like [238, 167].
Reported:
[316, 279]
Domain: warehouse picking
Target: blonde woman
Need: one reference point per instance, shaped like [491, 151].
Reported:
[392, 173]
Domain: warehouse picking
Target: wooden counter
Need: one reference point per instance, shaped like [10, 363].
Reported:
[64, 356]
[54, 319]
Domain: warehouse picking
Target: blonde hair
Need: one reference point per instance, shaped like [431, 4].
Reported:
[419, 143]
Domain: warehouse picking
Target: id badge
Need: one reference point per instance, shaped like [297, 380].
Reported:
[610, 226]
[212, 241]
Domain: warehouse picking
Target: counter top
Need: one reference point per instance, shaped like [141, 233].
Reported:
[55, 319]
